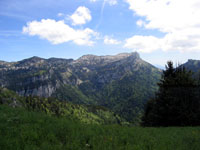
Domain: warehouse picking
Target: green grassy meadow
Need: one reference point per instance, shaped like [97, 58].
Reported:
[24, 130]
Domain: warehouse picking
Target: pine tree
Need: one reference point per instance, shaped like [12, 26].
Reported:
[177, 103]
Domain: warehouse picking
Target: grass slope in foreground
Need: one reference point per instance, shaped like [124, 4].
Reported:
[24, 130]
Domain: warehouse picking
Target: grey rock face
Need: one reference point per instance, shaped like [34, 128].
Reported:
[122, 82]
[102, 60]
[42, 77]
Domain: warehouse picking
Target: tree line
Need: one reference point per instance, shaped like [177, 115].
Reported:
[177, 102]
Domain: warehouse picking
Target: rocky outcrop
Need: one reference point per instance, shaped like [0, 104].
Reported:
[102, 60]
[41, 77]
[122, 83]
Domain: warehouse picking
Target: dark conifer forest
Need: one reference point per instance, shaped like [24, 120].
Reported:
[177, 102]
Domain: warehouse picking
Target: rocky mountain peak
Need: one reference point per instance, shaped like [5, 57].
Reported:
[191, 60]
[87, 57]
[35, 59]
[125, 55]
[3, 64]
[30, 61]
[93, 59]
[193, 65]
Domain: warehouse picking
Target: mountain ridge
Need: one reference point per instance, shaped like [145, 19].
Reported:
[119, 82]
[122, 83]
[87, 59]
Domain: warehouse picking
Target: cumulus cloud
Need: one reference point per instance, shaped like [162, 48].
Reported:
[140, 23]
[143, 43]
[58, 32]
[110, 41]
[178, 19]
[81, 16]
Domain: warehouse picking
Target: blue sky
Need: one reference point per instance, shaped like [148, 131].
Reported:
[159, 30]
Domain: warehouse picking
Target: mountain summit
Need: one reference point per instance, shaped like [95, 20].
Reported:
[122, 83]
[102, 60]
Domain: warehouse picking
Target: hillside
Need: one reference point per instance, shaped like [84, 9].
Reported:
[122, 83]
[194, 66]
[21, 129]
[84, 113]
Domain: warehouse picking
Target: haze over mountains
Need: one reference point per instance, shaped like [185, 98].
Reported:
[122, 83]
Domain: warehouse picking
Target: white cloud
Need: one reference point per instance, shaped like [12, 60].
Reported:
[58, 32]
[143, 43]
[60, 14]
[110, 2]
[140, 23]
[178, 19]
[110, 41]
[81, 16]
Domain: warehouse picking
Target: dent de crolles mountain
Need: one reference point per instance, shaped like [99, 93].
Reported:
[122, 83]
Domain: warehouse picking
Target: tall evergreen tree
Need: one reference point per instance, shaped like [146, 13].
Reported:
[177, 103]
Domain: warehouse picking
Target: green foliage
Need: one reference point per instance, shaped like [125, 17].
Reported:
[10, 98]
[177, 102]
[40, 72]
[71, 94]
[121, 84]
[128, 95]
[80, 112]
[21, 129]
[51, 106]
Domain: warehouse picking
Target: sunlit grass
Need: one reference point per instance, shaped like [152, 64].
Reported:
[23, 130]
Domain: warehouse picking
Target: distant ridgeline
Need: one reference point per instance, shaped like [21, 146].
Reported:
[122, 83]
[194, 66]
